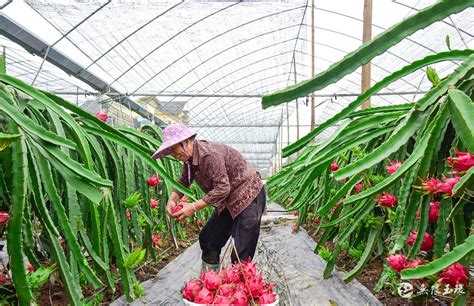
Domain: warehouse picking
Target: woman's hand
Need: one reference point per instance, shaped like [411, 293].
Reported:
[172, 200]
[169, 205]
[186, 211]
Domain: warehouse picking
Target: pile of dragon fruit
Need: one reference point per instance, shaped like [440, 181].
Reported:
[235, 285]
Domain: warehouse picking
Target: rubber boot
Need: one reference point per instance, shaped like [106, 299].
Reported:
[206, 267]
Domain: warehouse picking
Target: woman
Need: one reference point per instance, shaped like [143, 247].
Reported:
[232, 185]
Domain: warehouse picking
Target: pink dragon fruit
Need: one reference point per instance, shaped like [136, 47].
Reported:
[434, 212]
[267, 297]
[211, 279]
[222, 300]
[427, 243]
[387, 200]
[394, 165]
[226, 290]
[256, 286]
[447, 185]
[153, 203]
[358, 187]
[231, 275]
[240, 297]
[153, 180]
[101, 116]
[204, 296]
[334, 166]
[397, 262]
[176, 208]
[462, 162]
[454, 275]
[191, 289]
[155, 240]
[250, 268]
[430, 186]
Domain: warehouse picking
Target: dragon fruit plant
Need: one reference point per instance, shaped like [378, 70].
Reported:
[389, 162]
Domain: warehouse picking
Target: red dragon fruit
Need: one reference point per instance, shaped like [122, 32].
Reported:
[156, 239]
[430, 186]
[267, 297]
[462, 162]
[231, 275]
[226, 290]
[454, 275]
[334, 166]
[204, 296]
[397, 262]
[427, 243]
[434, 212]
[250, 268]
[101, 116]
[191, 289]
[4, 216]
[255, 285]
[176, 208]
[211, 279]
[153, 203]
[394, 165]
[222, 300]
[447, 185]
[358, 187]
[240, 298]
[387, 200]
[3, 278]
[414, 263]
[153, 180]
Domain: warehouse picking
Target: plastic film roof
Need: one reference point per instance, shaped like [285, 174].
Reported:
[213, 60]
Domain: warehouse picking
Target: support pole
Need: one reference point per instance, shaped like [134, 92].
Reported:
[297, 108]
[366, 36]
[313, 102]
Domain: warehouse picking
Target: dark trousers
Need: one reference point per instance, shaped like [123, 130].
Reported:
[245, 229]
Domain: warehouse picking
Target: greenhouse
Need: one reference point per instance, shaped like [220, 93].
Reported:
[236, 152]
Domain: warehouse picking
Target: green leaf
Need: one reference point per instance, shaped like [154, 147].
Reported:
[431, 59]
[14, 228]
[382, 109]
[70, 236]
[323, 210]
[448, 42]
[432, 132]
[441, 263]
[368, 51]
[373, 236]
[29, 126]
[147, 158]
[466, 181]
[462, 116]
[53, 102]
[7, 139]
[432, 96]
[442, 227]
[406, 130]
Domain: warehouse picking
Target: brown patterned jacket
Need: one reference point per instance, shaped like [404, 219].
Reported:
[224, 174]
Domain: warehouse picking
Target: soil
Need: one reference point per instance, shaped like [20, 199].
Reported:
[53, 293]
[370, 275]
